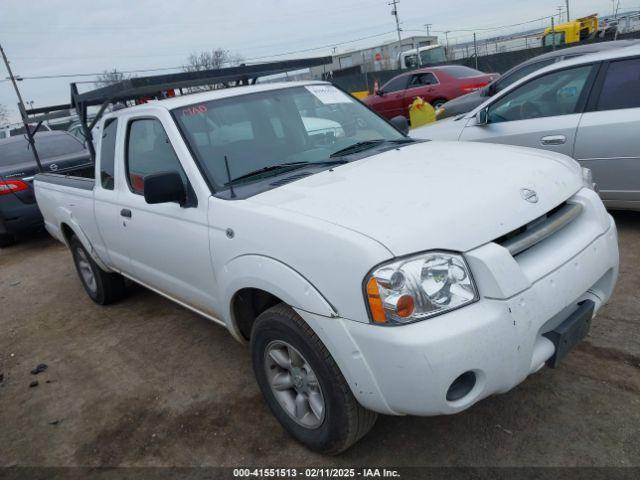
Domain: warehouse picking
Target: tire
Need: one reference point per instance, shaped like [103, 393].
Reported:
[6, 240]
[343, 420]
[438, 102]
[102, 287]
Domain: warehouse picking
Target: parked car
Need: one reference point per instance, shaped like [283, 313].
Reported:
[435, 85]
[58, 152]
[19, 129]
[587, 108]
[468, 102]
[369, 274]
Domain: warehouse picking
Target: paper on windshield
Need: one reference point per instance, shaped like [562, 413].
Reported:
[328, 94]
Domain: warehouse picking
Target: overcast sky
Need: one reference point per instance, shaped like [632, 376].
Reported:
[79, 36]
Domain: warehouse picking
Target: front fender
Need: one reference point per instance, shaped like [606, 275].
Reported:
[275, 277]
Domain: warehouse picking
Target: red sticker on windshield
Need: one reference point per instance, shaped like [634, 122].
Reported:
[194, 110]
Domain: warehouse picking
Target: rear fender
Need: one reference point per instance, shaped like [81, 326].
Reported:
[65, 217]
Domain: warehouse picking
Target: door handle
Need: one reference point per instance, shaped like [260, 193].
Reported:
[553, 140]
[125, 212]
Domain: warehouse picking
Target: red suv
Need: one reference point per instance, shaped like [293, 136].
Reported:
[435, 85]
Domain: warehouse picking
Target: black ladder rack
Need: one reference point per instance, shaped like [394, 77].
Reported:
[156, 86]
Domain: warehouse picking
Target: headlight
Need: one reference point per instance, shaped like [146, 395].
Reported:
[439, 112]
[587, 179]
[419, 287]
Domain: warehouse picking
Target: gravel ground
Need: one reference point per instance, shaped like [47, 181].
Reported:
[148, 383]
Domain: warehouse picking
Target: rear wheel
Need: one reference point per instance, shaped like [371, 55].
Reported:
[103, 287]
[302, 384]
[6, 240]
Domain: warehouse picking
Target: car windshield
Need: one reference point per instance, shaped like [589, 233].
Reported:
[259, 131]
[15, 152]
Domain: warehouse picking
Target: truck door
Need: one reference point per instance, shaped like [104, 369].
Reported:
[168, 243]
[107, 200]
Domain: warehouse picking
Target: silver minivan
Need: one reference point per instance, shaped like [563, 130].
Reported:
[587, 108]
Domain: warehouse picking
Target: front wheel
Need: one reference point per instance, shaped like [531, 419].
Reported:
[102, 287]
[302, 384]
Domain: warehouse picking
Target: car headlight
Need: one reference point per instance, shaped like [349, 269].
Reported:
[439, 112]
[418, 287]
[587, 179]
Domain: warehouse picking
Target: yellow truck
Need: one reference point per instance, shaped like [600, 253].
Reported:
[571, 32]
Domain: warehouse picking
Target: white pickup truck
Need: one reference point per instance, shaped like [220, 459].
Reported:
[369, 272]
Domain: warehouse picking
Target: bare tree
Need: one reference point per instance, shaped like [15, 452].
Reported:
[4, 115]
[109, 77]
[211, 60]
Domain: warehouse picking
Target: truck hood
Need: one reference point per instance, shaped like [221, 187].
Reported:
[433, 195]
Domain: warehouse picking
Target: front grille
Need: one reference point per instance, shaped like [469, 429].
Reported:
[542, 227]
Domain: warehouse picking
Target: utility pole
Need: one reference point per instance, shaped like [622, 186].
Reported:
[23, 111]
[475, 49]
[394, 12]
[553, 33]
[559, 14]
[428, 26]
[568, 16]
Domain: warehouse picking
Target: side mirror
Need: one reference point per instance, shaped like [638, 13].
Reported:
[380, 92]
[164, 187]
[401, 123]
[482, 117]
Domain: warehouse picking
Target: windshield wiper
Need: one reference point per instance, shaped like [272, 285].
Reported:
[357, 147]
[283, 166]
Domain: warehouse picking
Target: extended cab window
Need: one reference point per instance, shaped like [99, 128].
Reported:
[149, 151]
[107, 152]
[556, 93]
[621, 88]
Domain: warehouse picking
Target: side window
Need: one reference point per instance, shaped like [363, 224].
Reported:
[556, 93]
[422, 79]
[149, 151]
[107, 153]
[396, 84]
[521, 73]
[621, 87]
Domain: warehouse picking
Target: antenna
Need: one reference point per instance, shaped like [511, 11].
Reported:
[226, 164]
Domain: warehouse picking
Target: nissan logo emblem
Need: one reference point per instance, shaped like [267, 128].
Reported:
[529, 195]
[53, 167]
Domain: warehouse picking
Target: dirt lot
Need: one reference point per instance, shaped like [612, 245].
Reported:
[146, 382]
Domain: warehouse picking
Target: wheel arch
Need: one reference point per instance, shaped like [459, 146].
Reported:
[69, 229]
[254, 283]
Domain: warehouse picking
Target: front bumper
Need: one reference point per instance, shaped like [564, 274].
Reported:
[409, 369]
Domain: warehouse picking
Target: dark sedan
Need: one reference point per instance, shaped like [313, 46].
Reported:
[468, 102]
[58, 152]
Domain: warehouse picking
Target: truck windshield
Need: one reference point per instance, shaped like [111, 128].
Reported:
[306, 125]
